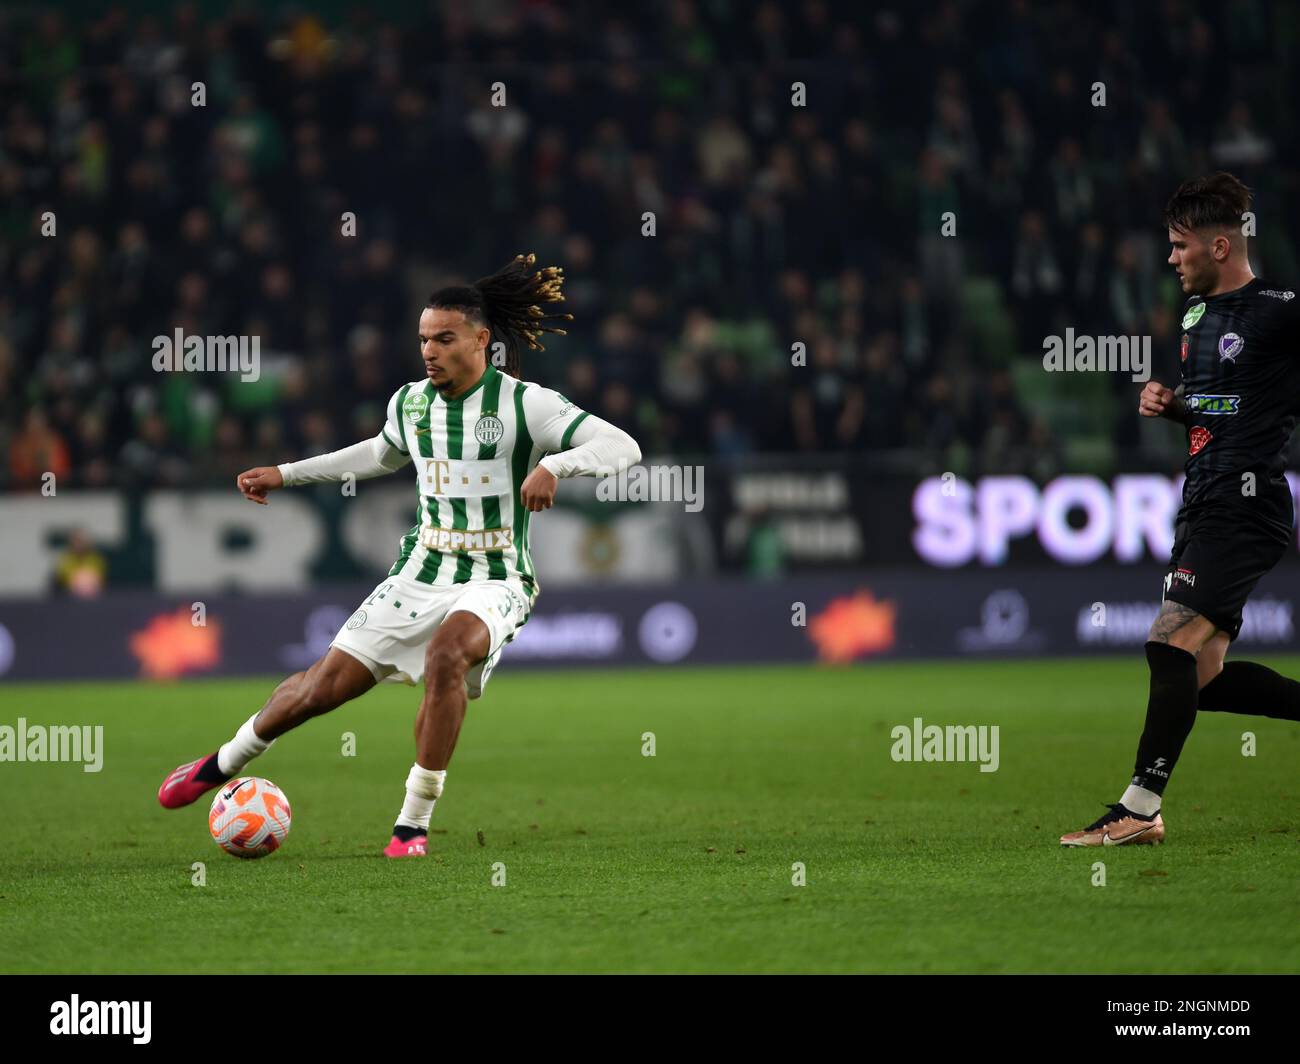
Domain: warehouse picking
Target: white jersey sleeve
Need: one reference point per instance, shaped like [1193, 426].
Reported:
[578, 443]
[392, 430]
[369, 458]
[551, 418]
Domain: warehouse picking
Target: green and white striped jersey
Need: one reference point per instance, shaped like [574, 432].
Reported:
[471, 454]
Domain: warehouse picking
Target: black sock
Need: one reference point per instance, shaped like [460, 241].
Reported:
[404, 834]
[210, 772]
[1247, 687]
[1171, 712]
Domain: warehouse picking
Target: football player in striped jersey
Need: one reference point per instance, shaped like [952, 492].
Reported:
[488, 450]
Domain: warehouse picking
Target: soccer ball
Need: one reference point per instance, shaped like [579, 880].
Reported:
[250, 817]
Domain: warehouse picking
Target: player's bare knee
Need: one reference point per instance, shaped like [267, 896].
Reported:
[1209, 662]
[445, 663]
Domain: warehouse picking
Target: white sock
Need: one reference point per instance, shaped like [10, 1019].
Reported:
[1141, 801]
[245, 746]
[423, 787]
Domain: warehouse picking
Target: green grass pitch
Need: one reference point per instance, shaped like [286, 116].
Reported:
[680, 862]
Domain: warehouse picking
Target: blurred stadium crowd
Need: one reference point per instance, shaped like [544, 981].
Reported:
[775, 224]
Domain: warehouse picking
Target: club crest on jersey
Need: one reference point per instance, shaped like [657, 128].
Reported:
[1193, 315]
[1197, 440]
[1230, 345]
[1186, 344]
[489, 430]
[415, 407]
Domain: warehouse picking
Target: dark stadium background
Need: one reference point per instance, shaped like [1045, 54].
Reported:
[813, 251]
[776, 225]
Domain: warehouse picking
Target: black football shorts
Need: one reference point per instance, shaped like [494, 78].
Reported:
[1217, 560]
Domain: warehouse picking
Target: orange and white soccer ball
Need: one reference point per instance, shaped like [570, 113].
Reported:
[250, 817]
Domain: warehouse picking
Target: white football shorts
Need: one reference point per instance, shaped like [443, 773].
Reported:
[390, 631]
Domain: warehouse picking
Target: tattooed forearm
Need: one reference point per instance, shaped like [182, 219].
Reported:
[1173, 616]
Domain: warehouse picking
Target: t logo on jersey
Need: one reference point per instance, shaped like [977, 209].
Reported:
[437, 475]
[1197, 440]
[1193, 315]
[1186, 344]
[468, 479]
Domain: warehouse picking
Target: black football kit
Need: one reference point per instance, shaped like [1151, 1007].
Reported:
[1241, 388]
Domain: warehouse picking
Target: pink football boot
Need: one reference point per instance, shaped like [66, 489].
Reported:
[416, 847]
[181, 787]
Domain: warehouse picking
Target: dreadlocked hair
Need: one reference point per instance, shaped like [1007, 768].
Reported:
[508, 303]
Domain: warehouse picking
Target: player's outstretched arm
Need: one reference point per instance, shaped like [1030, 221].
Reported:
[369, 458]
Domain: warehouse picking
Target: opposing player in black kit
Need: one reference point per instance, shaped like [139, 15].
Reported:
[1239, 400]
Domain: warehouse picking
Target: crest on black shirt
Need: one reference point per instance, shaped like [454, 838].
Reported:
[1230, 345]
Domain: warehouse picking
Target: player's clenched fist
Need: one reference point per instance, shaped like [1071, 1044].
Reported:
[255, 483]
[1155, 400]
[537, 492]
